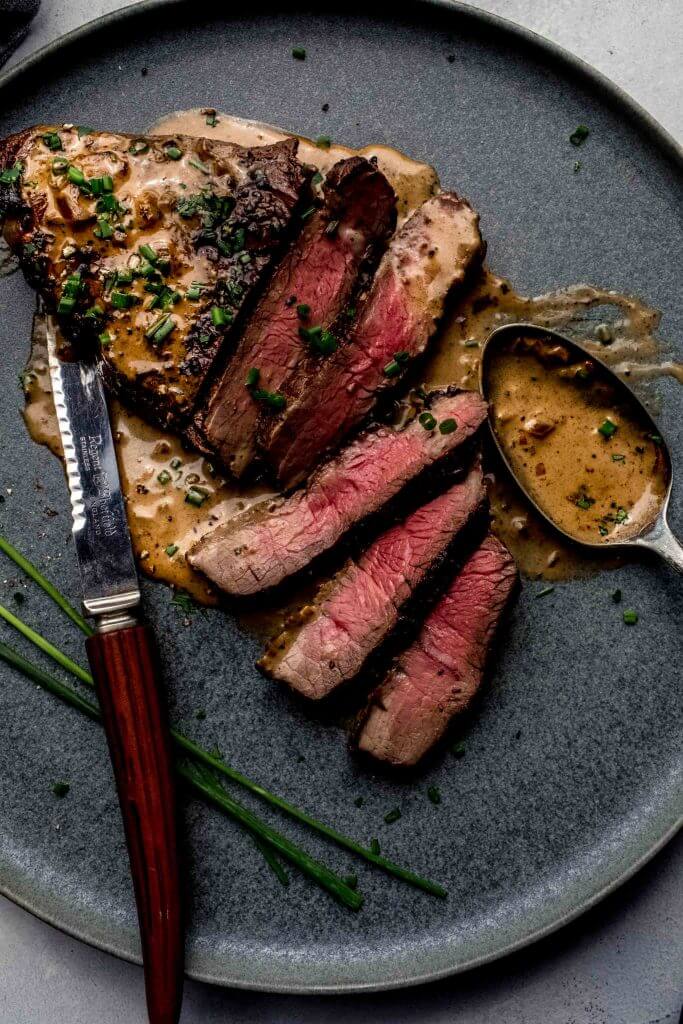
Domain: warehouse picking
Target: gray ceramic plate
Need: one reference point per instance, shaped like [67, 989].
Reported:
[571, 777]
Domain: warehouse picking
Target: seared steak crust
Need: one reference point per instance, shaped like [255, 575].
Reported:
[147, 248]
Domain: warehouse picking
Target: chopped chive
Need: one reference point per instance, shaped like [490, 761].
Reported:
[66, 304]
[172, 152]
[655, 438]
[220, 317]
[75, 175]
[427, 421]
[195, 162]
[176, 463]
[299, 53]
[458, 749]
[616, 596]
[607, 428]
[323, 142]
[159, 322]
[471, 343]
[120, 300]
[392, 369]
[196, 496]
[434, 794]
[104, 229]
[303, 311]
[252, 377]
[171, 550]
[94, 311]
[545, 592]
[316, 179]
[271, 398]
[618, 458]
[194, 292]
[52, 140]
[584, 502]
[200, 714]
[359, 801]
[83, 130]
[211, 119]
[12, 174]
[447, 426]
[105, 339]
[308, 212]
[630, 617]
[60, 789]
[149, 253]
[391, 816]
[60, 165]
[138, 146]
[375, 847]
[351, 881]
[163, 331]
[164, 477]
[579, 135]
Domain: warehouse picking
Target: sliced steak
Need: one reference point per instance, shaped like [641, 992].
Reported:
[438, 676]
[428, 257]
[274, 540]
[355, 612]
[147, 248]
[308, 293]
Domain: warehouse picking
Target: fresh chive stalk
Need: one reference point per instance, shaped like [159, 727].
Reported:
[204, 783]
[200, 754]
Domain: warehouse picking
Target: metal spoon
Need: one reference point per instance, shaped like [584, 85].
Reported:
[655, 536]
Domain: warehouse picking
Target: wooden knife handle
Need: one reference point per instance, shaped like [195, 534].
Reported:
[124, 666]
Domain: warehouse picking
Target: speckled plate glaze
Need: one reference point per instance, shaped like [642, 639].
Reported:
[571, 778]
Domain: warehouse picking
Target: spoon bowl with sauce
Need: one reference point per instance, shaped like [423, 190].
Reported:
[578, 441]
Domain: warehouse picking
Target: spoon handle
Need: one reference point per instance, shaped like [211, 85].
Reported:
[662, 540]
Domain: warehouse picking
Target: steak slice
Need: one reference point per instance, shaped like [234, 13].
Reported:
[355, 612]
[314, 282]
[147, 247]
[274, 540]
[428, 257]
[439, 675]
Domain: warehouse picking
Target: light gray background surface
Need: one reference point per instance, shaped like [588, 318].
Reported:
[621, 963]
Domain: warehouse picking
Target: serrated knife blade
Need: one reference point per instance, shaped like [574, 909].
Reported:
[100, 526]
[122, 656]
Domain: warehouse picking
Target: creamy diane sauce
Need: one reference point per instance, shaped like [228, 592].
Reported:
[161, 518]
[579, 444]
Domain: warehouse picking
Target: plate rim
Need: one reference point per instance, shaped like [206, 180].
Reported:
[610, 92]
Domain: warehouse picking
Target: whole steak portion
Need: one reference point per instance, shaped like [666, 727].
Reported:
[428, 257]
[295, 320]
[356, 611]
[272, 541]
[439, 675]
[148, 247]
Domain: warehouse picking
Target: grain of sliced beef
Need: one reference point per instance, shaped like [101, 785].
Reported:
[355, 612]
[307, 295]
[439, 675]
[134, 240]
[430, 255]
[274, 540]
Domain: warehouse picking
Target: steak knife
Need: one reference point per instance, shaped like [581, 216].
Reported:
[122, 657]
